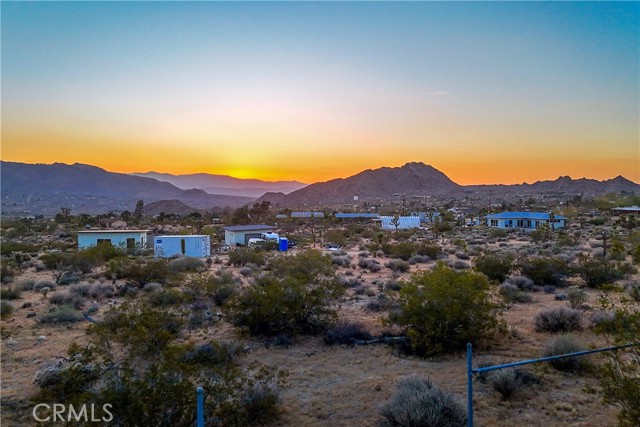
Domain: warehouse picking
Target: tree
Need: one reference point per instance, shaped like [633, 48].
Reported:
[241, 216]
[139, 209]
[395, 221]
[443, 309]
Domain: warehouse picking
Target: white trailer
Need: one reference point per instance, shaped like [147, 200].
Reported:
[195, 245]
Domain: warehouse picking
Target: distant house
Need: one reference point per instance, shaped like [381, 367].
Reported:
[404, 222]
[628, 210]
[525, 220]
[307, 214]
[196, 245]
[118, 238]
[240, 234]
[357, 215]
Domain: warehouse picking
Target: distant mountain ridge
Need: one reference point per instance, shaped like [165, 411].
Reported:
[44, 189]
[223, 184]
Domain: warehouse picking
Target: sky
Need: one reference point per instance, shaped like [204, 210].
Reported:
[487, 92]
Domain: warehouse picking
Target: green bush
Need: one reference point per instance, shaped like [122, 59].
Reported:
[512, 294]
[139, 272]
[242, 256]
[419, 402]
[134, 362]
[10, 293]
[62, 314]
[621, 370]
[544, 270]
[6, 309]
[183, 264]
[558, 320]
[495, 266]
[402, 250]
[597, 271]
[443, 309]
[576, 297]
[298, 295]
[398, 265]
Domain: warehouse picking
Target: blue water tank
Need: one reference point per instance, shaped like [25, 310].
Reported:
[283, 244]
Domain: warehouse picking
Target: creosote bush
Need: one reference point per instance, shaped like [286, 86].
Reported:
[419, 402]
[298, 295]
[62, 314]
[558, 320]
[544, 270]
[495, 266]
[444, 309]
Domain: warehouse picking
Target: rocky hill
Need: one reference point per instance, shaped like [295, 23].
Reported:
[412, 179]
[32, 189]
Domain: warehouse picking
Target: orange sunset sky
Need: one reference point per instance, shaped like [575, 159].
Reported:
[493, 92]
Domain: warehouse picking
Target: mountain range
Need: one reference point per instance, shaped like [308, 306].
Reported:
[223, 184]
[44, 189]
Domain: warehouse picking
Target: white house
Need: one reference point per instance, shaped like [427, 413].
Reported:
[196, 245]
[525, 220]
[240, 234]
[125, 239]
[404, 222]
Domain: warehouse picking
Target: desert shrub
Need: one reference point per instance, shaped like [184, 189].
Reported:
[183, 264]
[511, 293]
[134, 362]
[10, 293]
[25, 284]
[398, 265]
[458, 264]
[67, 298]
[375, 267]
[495, 266]
[81, 289]
[138, 272]
[521, 282]
[621, 369]
[558, 320]
[342, 261]
[242, 256]
[392, 285]
[443, 309]
[544, 270]
[564, 344]
[62, 314]
[597, 271]
[298, 295]
[101, 290]
[402, 250]
[428, 249]
[576, 296]
[6, 309]
[368, 263]
[166, 297]
[43, 284]
[69, 278]
[346, 333]
[603, 320]
[419, 402]
[419, 259]
[245, 271]
[152, 287]
[633, 290]
[505, 381]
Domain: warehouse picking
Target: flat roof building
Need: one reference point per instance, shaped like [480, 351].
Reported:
[240, 234]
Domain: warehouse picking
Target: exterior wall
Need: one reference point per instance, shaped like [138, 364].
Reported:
[198, 246]
[233, 238]
[528, 224]
[404, 223]
[87, 240]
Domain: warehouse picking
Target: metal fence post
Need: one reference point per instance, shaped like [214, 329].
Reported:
[199, 407]
[469, 385]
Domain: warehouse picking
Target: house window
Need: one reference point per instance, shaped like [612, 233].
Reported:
[494, 222]
[131, 243]
[520, 223]
[103, 241]
[528, 223]
[508, 223]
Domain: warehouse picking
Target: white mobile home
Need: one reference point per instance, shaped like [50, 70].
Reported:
[196, 245]
[404, 222]
[125, 239]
